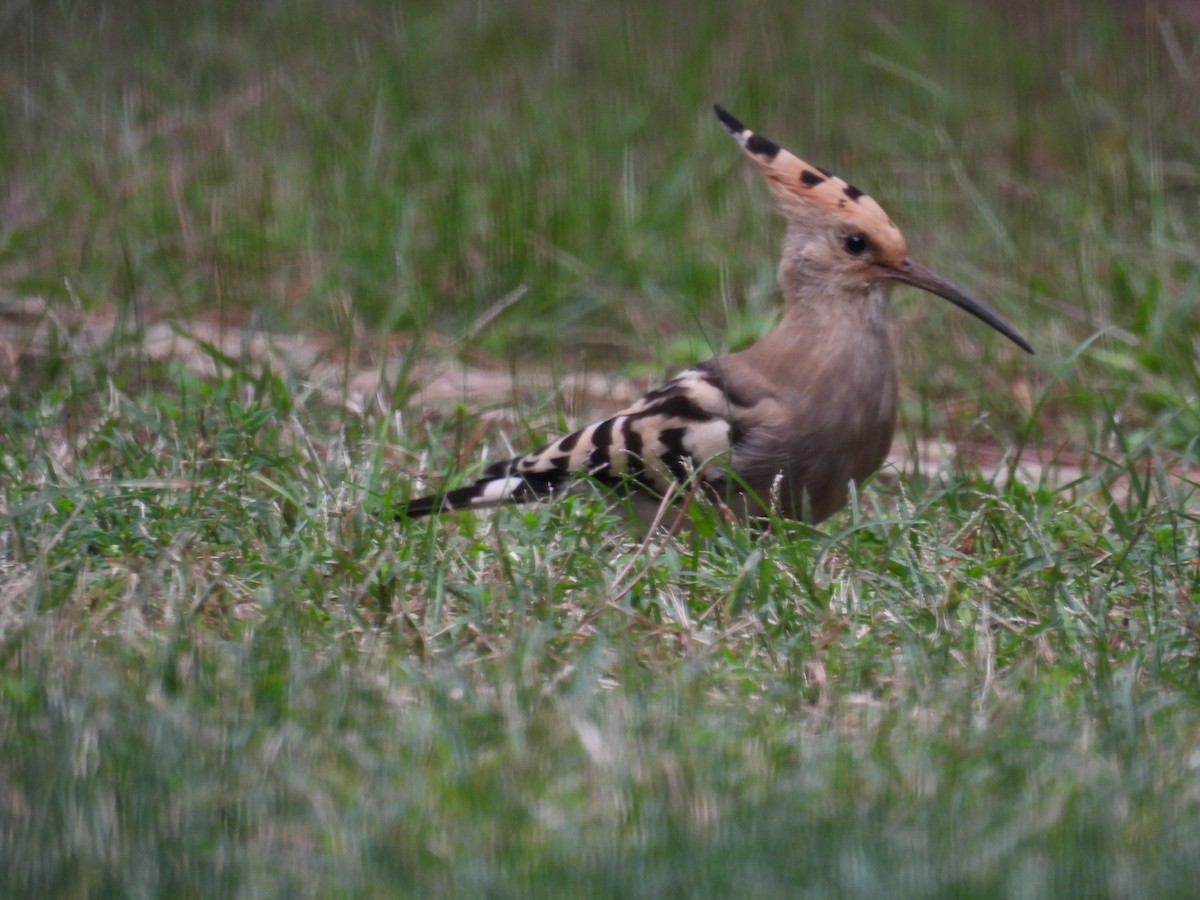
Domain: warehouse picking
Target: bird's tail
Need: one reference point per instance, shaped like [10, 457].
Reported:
[500, 485]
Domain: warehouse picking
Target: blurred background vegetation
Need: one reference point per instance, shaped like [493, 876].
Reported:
[409, 165]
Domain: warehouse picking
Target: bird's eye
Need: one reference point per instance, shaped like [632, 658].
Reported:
[856, 243]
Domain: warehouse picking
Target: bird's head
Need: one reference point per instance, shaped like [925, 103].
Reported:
[838, 234]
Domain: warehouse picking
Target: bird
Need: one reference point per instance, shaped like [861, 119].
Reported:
[785, 425]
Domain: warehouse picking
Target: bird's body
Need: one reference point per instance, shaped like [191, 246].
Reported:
[785, 424]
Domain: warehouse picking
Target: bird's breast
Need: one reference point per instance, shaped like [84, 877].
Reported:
[834, 424]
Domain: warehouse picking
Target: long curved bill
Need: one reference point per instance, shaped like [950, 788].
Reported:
[912, 272]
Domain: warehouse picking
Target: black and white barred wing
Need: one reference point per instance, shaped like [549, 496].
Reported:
[688, 426]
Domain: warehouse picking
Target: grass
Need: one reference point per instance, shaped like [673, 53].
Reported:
[222, 673]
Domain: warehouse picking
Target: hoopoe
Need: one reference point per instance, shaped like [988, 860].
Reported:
[785, 424]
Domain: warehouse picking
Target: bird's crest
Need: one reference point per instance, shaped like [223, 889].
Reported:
[800, 187]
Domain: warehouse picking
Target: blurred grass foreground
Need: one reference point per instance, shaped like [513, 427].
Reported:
[242, 244]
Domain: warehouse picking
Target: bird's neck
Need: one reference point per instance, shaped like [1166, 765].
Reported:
[818, 314]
